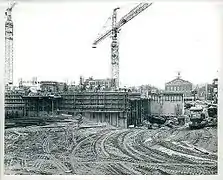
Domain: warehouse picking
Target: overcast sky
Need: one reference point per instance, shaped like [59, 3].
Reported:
[53, 41]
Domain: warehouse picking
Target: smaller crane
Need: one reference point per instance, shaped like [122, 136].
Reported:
[9, 45]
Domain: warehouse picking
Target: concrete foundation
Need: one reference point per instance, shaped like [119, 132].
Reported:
[113, 118]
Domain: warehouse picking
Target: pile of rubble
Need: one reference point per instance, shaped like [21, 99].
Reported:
[155, 122]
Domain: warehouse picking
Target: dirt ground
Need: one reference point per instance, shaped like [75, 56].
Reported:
[64, 148]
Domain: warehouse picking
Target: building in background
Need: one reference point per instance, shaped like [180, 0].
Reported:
[179, 85]
[50, 86]
[102, 83]
[145, 90]
[53, 86]
[167, 103]
[92, 84]
[14, 105]
[204, 92]
[215, 90]
[33, 84]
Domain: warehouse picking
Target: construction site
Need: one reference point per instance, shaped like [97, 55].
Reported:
[100, 128]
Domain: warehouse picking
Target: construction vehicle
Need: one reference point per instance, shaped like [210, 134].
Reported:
[113, 31]
[198, 118]
[154, 121]
[212, 115]
[203, 116]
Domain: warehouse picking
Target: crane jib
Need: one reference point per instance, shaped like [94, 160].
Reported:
[134, 12]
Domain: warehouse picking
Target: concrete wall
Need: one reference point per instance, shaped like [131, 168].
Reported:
[113, 118]
[155, 107]
[167, 107]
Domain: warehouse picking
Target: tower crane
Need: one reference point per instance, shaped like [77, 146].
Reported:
[9, 45]
[113, 31]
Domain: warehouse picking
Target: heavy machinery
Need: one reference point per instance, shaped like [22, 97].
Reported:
[113, 31]
[9, 45]
[198, 117]
[203, 116]
[212, 115]
[156, 121]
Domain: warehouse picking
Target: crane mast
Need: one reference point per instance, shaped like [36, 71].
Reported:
[9, 45]
[115, 51]
[114, 35]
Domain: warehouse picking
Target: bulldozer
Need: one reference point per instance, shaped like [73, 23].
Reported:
[198, 118]
[201, 117]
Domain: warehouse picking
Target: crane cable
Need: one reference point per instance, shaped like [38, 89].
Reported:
[105, 25]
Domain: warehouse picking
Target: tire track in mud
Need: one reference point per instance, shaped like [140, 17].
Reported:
[136, 147]
[210, 169]
[181, 146]
[175, 148]
[149, 152]
[139, 145]
[125, 152]
[119, 166]
[88, 142]
[117, 141]
[56, 162]
[191, 151]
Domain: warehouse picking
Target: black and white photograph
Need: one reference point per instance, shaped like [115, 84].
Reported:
[111, 88]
